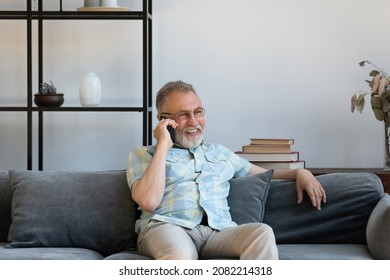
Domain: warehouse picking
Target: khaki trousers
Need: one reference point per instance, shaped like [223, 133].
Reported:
[165, 241]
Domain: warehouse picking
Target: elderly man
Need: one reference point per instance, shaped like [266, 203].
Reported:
[182, 188]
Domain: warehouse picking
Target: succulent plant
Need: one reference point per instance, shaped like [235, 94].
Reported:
[47, 88]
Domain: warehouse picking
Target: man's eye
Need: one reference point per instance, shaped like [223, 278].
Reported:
[183, 115]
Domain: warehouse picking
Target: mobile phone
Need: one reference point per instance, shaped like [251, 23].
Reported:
[171, 131]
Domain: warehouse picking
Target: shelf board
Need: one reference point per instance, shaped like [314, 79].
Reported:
[345, 169]
[7, 109]
[13, 15]
[88, 15]
[74, 109]
[73, 15]
[88, 109]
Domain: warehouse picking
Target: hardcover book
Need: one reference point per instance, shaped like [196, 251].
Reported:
[271, 141]
[267, 148]
[293, 156]
[281, 165]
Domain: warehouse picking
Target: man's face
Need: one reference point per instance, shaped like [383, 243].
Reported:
[186, 109]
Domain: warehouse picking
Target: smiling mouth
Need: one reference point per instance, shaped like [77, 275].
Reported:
[193, 130]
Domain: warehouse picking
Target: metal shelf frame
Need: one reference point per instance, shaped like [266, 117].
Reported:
[40, 16]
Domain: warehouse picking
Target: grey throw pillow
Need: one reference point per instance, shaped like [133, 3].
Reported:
[378, 229]
[92, 210]
[248, 196]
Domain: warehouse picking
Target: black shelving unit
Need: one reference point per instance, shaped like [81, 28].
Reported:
[40, 16]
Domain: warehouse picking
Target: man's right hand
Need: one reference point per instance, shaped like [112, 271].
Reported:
[161, 133]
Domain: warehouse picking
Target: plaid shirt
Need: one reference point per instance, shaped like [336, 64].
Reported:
[197, 181]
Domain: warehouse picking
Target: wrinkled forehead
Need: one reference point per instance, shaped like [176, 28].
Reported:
[179, 101]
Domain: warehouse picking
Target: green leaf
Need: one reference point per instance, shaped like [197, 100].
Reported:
[362, 63]
[360, 106]
[376, 102]
[379, 115]
[377, 108]
[358, 102]
[374, 73]
[386, 106]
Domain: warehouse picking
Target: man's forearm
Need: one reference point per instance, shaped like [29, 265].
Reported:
[149, 189]
[288, 174]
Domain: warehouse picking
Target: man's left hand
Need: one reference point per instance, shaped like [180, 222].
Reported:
[306, 181]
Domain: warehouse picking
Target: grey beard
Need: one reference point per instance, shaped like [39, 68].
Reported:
[183, 141]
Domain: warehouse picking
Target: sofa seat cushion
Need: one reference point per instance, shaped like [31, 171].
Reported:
[91, 210]
[324, 252]
[351, 197]
[46, 253]
[127, 255]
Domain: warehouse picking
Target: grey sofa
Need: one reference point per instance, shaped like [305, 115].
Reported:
[90, 215]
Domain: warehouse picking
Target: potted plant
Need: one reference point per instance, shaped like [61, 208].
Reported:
[48, 96]
[379, 84]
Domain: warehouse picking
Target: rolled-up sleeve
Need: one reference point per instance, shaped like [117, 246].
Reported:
[137, 163]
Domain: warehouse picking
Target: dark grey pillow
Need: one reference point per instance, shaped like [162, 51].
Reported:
[92, 210]
[378, 229]
[351, 197]
[248, 196]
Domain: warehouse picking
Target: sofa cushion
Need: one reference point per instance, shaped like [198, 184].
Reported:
[324, 252]
[127, 255]
[91, 210]
[378, 230]
[5, 205]
[248, 196]
[44, 253]
[351, 197]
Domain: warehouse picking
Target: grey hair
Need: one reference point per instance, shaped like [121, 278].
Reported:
[170, 87]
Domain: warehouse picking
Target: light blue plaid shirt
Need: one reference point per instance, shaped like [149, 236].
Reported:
[197, 181]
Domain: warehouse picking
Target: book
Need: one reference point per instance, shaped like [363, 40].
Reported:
[280, 164]
[271, 141]
[286, 148]
[293, 156]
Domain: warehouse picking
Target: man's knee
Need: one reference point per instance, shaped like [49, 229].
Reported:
[264, 242]
[177, 253]
[265, 233]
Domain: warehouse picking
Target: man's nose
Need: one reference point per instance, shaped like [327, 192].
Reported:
[192, 119]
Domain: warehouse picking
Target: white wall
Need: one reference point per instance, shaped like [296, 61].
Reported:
[263, 68]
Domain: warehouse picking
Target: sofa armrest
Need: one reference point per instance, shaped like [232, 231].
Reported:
[378, 229]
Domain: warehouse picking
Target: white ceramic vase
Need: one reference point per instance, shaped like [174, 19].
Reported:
[91, 3]
[108, 3]
[90, 90]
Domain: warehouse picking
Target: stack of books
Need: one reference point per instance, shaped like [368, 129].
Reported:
[272, 153]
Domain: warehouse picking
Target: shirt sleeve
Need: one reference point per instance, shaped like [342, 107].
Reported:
[137, 163]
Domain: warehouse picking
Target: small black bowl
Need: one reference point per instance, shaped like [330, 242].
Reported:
[49, 100]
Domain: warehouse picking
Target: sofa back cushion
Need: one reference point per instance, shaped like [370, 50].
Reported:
[351, 197]
[92, 210]
[5, 205]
